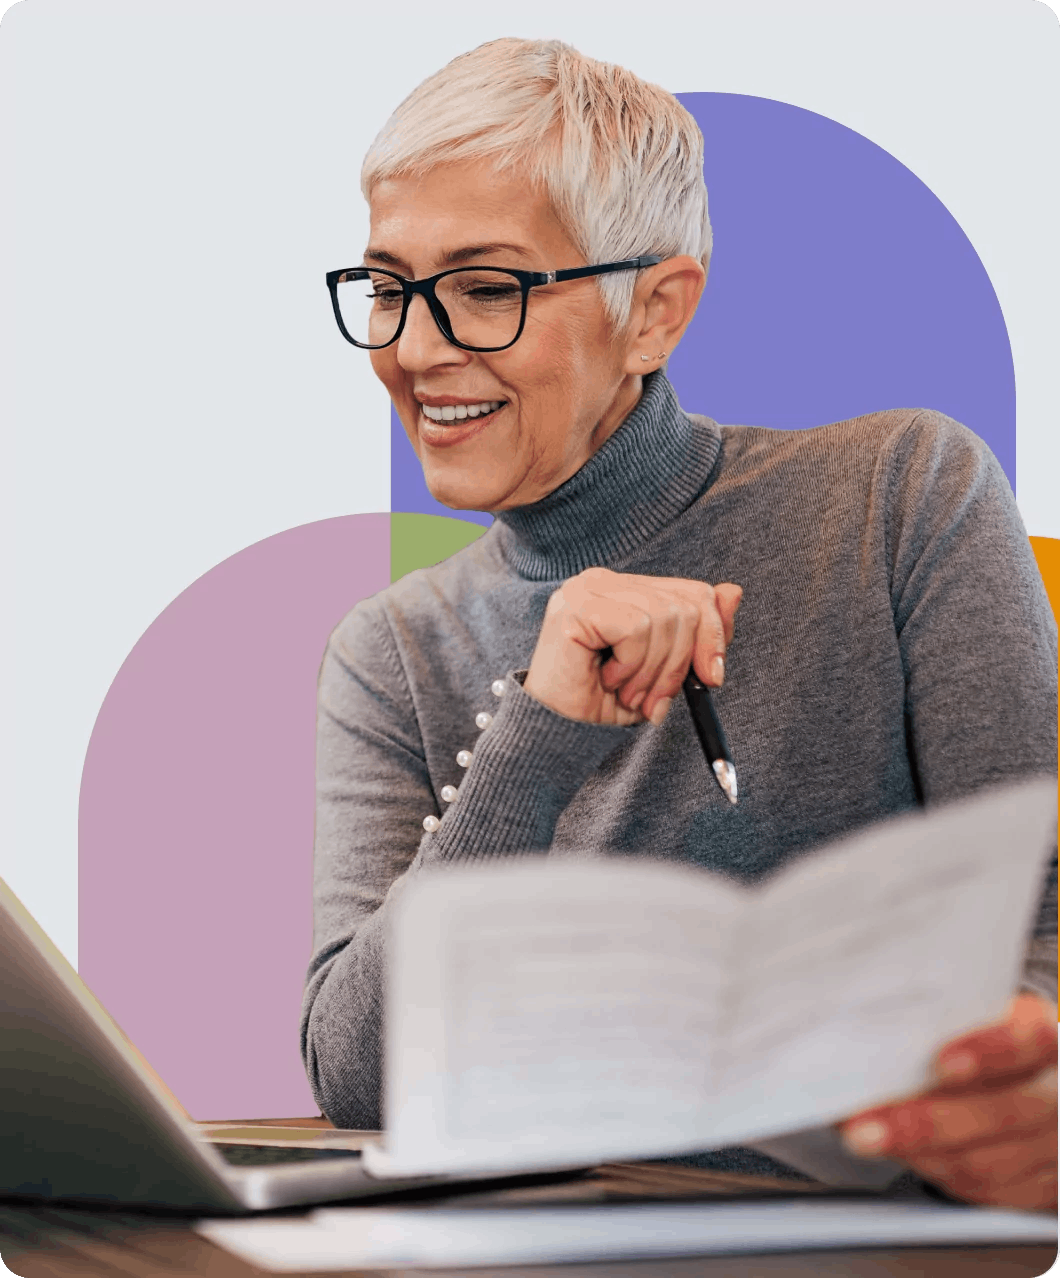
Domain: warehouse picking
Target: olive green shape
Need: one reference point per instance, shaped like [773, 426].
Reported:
[417, 541]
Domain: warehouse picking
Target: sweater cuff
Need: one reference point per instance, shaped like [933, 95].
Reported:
[527, 766]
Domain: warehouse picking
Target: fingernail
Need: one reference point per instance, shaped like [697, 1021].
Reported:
[959, 1065]
[866, 1138]
[662, 709]
[717, 671]
[638, 697]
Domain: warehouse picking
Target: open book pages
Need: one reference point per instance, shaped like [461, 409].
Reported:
[545, 1013]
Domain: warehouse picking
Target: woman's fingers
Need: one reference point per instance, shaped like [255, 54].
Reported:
[692, 624]
[987, 1130]
[631, 672]
[942, 1134]
[671, 674]
[708, 657]
[727, 599]
[621, 644]
[565, 672]
[1024, 1041]
[948, 1122]
[595, 622]
[1005, 1162]
[643, 678]
[1010, 1156]
[1000, 1175]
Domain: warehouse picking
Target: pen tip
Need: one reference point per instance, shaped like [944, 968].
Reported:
[726, 775]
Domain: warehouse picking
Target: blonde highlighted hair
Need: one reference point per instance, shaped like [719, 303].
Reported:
[621, 160]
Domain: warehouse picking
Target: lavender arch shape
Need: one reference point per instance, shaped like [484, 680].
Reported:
[195, 833]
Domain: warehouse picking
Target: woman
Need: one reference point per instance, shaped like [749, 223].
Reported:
[539, 242]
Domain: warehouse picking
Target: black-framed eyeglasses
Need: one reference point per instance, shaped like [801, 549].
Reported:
[478, 308]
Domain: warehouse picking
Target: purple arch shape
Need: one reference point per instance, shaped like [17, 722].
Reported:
[196, 818]
[840, 285]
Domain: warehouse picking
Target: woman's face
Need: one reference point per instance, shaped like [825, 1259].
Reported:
[563, 385]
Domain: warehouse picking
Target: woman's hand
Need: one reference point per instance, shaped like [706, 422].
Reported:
[986, 1133]
[654, 627]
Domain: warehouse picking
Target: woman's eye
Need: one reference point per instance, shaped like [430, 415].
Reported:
[492, 293]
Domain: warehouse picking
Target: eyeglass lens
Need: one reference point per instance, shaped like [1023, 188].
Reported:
[484, 305]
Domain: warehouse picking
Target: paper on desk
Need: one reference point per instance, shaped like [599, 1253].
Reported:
[543, 1012]
[373, 1237]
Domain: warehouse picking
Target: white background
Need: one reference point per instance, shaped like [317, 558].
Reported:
[184, 173]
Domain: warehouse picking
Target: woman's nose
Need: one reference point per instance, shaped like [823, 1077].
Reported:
[421, 344]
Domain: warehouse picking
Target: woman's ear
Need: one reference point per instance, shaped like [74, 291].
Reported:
[664, 300]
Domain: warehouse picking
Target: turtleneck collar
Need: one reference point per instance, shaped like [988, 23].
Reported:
[640, 479]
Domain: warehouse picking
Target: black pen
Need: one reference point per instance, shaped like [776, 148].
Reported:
[711, 736]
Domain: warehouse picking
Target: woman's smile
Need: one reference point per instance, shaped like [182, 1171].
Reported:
[442, 425]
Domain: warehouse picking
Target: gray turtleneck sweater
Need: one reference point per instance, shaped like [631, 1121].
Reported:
[894, 647]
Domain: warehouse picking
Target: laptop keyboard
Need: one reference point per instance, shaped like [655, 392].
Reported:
[259, 1155]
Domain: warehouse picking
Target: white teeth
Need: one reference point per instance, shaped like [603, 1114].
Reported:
[458, 412]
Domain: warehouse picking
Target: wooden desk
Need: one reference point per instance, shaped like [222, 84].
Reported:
[54, 1242]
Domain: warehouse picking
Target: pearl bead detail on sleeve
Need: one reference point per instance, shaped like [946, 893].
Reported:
[449, 793]
[483, 719]
[497, 687]
[463, 757]
[431, 823]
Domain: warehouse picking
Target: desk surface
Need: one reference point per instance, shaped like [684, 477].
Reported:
[49, 1242]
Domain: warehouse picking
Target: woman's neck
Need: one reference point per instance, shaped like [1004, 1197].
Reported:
[650, 469]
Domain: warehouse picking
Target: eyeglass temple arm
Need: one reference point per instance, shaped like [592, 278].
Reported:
[580, 272]
[541, 277]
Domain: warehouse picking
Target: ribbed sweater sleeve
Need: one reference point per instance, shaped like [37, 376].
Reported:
[974, 625]
[980, 699]
[526, 769]
[373, 790]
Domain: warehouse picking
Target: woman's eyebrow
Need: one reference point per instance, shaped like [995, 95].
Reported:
[383, 257]
[455, 257]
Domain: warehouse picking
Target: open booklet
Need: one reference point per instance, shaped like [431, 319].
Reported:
[543, 1013]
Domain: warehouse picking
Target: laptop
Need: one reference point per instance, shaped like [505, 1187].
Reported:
[84, 1119]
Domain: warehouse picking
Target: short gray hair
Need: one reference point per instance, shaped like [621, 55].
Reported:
[621, 160]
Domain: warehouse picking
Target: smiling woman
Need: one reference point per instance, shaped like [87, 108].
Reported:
[539, 243]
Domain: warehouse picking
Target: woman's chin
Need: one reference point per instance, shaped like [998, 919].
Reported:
[463, 496]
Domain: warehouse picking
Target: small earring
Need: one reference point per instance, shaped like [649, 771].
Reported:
[645, 357]
[661, 355]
